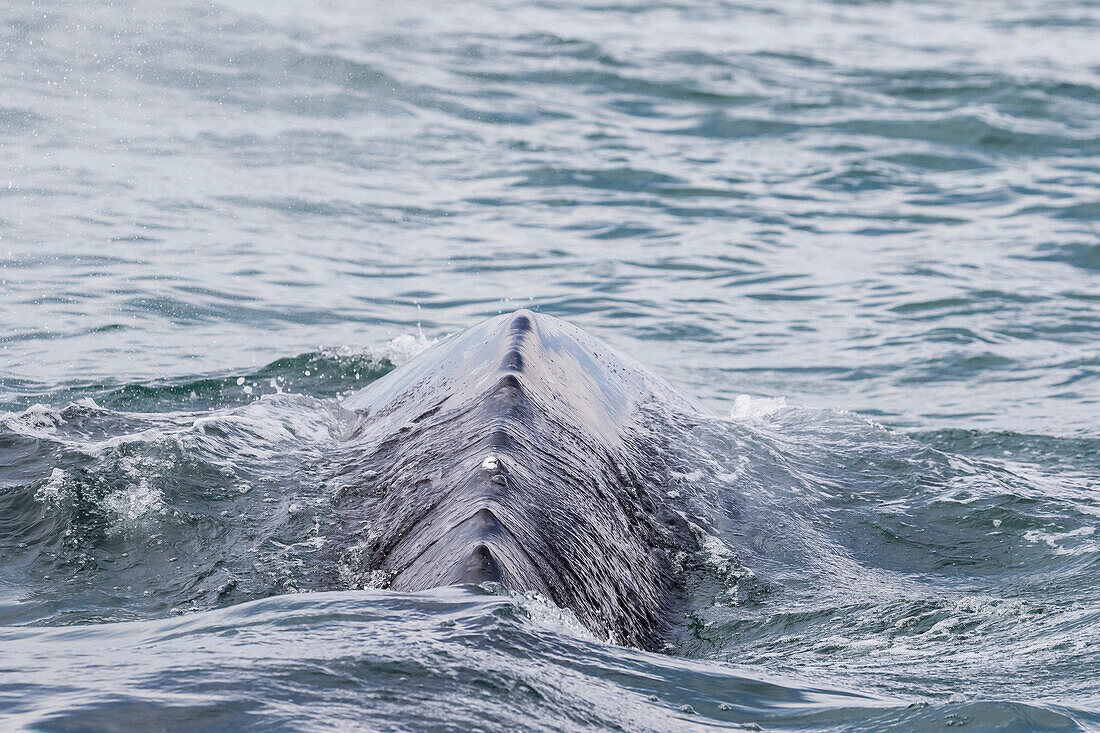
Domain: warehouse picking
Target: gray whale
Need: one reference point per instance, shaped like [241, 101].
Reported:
[525, 452]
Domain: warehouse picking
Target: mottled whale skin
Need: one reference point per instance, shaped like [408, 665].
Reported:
[526, 452]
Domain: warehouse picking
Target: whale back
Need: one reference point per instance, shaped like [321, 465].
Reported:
[525, 452]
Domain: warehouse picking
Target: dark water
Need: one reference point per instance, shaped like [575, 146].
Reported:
[879, 220]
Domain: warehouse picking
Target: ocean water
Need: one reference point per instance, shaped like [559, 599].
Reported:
[864, 235]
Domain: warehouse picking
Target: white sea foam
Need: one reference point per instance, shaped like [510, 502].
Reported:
[42, 421]
[135, 503]
[141, 499]
[545, 613]
[404, 347]
[51, 491]
[396, 351]
[755, 409]
[87, 403]
[1066, 543]
[37, 421]
[717, 555]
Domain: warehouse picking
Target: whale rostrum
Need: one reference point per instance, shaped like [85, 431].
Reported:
[524, 452]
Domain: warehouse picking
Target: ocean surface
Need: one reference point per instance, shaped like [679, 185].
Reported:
[864, 235]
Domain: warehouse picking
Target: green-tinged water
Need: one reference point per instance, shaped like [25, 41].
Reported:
[865, 235]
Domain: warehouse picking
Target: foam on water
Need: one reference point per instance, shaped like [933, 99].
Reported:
[749, 408]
